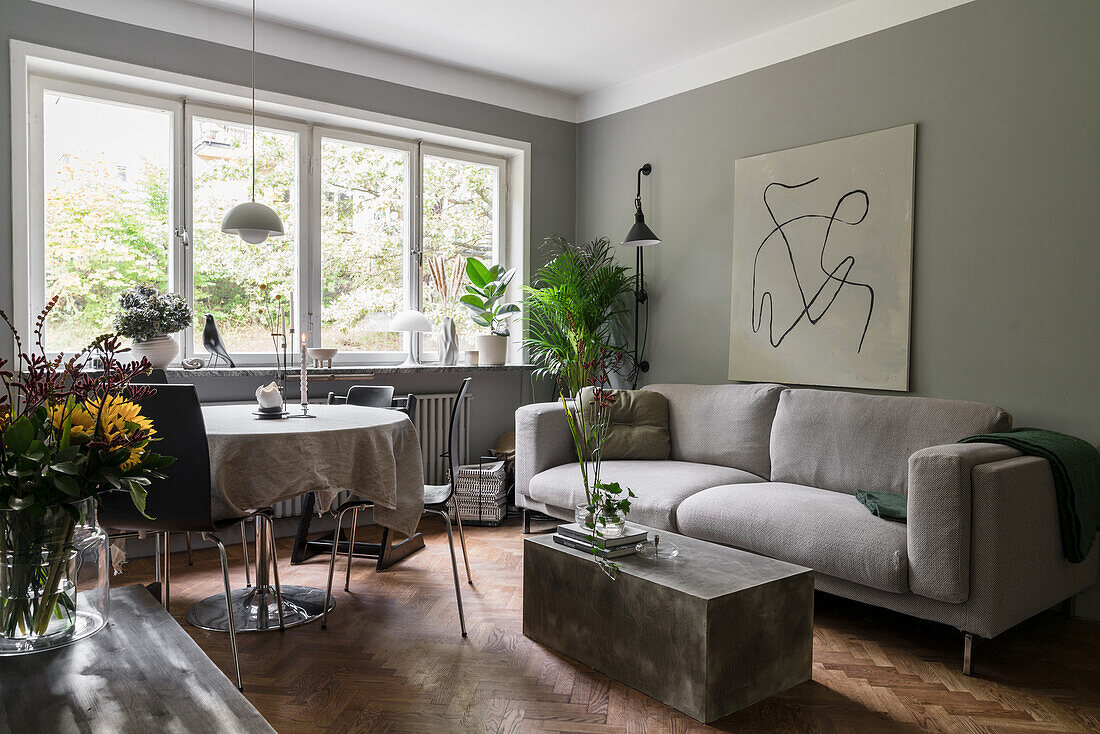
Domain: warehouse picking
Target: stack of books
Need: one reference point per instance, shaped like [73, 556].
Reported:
[575, 537]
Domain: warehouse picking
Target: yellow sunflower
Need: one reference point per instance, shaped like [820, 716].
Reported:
[114, 416]
[82, 423]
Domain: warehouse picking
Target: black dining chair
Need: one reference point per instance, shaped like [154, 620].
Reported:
[180, 503]
[436, 499]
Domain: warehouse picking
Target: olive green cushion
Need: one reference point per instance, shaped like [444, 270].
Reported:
[639, 424]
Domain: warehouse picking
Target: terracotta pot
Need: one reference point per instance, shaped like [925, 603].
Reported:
[491, 349]
[160, 350]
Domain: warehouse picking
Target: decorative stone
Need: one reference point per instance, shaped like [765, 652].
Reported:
[710, 632]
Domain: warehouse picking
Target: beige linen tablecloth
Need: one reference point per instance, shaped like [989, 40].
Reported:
[371, 452]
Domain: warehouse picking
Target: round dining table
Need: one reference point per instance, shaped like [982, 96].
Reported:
[255, 462]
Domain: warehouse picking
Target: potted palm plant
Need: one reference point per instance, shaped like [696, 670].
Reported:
[483, 296]
[578, 311]
[67, 435]
[148, 317]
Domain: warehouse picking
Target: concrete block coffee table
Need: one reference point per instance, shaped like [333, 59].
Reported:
[709, 632]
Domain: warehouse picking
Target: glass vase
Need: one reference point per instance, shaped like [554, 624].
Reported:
[54, 574]
[601, 524]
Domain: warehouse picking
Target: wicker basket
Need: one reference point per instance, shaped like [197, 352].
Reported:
[482, 493]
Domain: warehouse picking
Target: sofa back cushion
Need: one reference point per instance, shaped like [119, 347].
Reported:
[727, 425]
[847, 441]
[638, 424]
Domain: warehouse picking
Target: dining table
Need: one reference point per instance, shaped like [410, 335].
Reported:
[257, 461]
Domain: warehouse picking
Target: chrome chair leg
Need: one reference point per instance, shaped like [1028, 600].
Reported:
[244, 549]
[156, 558]
[166, 587]
[462, 540]
[454, 565]
[275, 568]
[190, 558]
[351, 548]
[332, 565]
[228, 606]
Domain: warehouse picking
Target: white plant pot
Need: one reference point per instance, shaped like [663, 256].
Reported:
[491, 349]
[160, 350]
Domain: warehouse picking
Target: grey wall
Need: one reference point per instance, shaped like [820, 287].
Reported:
[553, 142]
[1006, 253]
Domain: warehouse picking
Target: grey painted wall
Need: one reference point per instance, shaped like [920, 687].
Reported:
[553, 142]
[1004, 93]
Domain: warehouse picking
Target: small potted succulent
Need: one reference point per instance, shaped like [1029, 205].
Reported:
[148, 317]
[484, 292]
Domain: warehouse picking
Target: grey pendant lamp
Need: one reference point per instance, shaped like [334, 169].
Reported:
[253, 221]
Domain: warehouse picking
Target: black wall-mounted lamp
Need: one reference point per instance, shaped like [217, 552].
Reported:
[640, 236]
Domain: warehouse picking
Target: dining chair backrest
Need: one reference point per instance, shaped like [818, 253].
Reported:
[371, 396]
[181, 501]
[452, 436]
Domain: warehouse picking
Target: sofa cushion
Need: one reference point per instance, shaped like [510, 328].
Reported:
[827, 531]
[638, 424]
[660, 486]
[729, 425]
[846, 441]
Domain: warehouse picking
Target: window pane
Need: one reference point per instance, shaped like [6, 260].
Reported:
[107, 193]
[364, 235]
[239, 283]
[460, 220]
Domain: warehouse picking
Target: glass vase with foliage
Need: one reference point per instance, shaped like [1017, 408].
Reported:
[578, 311]
[67, 435]
[605, 503]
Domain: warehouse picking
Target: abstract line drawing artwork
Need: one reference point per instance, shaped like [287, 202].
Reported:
[822, 263]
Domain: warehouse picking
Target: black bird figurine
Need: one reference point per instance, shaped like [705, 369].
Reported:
[212, 340]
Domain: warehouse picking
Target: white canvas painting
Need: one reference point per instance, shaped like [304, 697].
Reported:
[822, 263]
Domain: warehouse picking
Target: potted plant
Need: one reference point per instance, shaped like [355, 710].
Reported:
[577, 310]
[484, 292]
[148, 317]
[66, 436]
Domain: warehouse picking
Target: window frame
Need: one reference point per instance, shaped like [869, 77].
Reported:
[308, 284]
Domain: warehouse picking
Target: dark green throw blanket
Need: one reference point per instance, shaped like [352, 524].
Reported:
[1075, 465]
[887, 505]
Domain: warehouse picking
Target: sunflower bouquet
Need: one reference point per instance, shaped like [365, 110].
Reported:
[70, 430]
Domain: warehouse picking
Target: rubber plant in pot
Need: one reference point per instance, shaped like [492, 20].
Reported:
[483, 297]
[148, 317]
[67, 435]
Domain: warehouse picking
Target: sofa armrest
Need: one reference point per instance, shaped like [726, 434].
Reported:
[1017, 565]
[939, 517]
[543, 440]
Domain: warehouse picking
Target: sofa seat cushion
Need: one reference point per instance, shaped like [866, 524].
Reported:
[830, 532]
[659, 485]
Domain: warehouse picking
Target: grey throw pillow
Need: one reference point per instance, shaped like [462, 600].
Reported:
[639, 424]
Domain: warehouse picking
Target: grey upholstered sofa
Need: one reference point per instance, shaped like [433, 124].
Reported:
[775, 470]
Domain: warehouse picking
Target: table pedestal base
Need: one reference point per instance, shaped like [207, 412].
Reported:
[256, 609]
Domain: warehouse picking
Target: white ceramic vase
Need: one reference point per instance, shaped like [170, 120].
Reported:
[448, 342]
[491, 349]
[160, 350]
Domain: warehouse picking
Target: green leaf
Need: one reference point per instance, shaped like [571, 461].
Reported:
[473, 301]
[138, 495]
[20, 503]
[65, 467]
[19, 435]
[477, 272]
[66, 484]
[508, 308]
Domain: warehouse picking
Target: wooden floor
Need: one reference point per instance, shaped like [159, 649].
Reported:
[392, 660]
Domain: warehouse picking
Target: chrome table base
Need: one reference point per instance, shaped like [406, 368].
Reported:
[257, 609]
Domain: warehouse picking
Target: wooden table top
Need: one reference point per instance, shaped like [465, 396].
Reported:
[141, 673]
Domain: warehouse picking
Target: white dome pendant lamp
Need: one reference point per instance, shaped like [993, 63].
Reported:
[253, 221]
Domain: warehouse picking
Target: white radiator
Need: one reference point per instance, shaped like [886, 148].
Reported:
[433, 415]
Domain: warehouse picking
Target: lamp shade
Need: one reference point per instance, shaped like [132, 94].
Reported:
[640, 234]
[253, 222]
[410, 321]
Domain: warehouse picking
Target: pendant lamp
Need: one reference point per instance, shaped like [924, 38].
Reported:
[253, 221]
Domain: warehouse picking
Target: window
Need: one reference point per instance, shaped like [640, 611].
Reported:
[240, 283]
[107, 190]
[364, 244]
[461, 205]
[132, 189]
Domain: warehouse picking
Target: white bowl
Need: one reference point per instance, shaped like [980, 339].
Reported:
[321, 354]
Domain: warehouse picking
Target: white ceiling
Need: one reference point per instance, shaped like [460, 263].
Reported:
[573, 60]
[571, 46]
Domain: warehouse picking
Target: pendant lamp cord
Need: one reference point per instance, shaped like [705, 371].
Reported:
[253, 100]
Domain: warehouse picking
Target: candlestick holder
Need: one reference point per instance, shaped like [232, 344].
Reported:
[305, 412]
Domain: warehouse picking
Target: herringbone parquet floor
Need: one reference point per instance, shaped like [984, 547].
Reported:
[392, 660]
